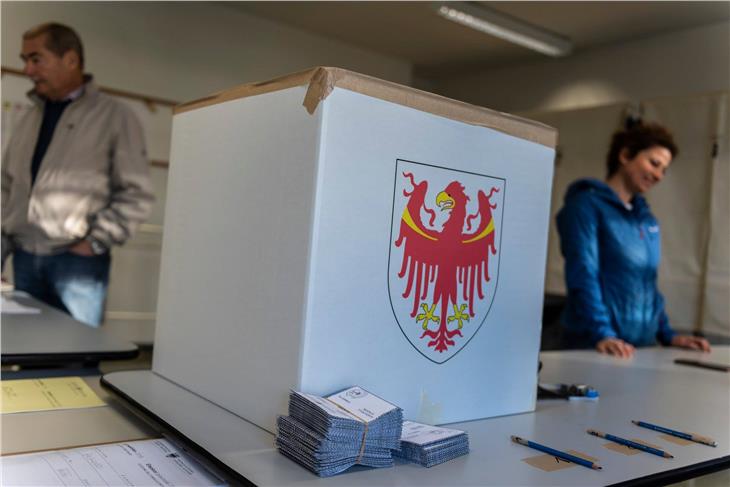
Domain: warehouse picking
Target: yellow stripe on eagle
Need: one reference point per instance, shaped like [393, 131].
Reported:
[409, 221]
[485, 232]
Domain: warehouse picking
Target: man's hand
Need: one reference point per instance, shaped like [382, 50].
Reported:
[615, 346]
[82, 248]
[691, 342]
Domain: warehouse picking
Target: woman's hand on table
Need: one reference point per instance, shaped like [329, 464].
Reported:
[691, 342]
[615, 346]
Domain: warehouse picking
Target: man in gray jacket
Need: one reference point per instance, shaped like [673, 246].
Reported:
[75, 179]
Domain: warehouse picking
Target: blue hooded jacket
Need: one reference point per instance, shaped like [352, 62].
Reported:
[611, 255]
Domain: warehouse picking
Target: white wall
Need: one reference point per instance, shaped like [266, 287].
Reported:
[186, 50]
[675, 64]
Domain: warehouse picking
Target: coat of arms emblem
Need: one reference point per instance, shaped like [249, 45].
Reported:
[444, 255]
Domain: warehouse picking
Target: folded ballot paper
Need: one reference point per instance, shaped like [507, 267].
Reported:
[431, 445]
[328, 435]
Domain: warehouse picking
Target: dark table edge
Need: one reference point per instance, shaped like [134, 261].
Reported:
[678, 474]
[66, 358]
[159, 423]
[659, 479]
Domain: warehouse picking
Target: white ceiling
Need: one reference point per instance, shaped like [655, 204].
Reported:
[436, 47]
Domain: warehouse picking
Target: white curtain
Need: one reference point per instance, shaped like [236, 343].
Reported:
[694, 207]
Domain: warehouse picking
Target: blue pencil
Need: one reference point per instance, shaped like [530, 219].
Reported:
[556, 453]
[631, 444]
[687, 436]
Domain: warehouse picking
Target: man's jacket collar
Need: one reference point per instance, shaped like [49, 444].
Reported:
[90, 91]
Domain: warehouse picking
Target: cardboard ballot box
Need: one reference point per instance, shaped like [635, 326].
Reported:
[327, 229]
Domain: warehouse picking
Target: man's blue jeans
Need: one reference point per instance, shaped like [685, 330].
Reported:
[72, 283]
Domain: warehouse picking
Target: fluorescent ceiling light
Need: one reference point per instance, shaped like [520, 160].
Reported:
[490, 21]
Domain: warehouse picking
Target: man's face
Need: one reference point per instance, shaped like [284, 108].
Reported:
[53, 76]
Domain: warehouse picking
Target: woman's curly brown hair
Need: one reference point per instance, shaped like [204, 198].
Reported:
[637, 138]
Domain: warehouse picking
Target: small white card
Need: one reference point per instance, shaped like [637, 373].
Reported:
[329, 408]
[423, 434]
[362, 403]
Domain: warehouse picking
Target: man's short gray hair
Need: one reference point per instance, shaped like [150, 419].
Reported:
[59, 39]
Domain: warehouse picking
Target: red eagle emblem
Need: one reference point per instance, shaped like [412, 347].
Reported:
[443, 270]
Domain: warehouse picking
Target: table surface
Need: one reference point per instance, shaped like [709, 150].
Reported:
[69, 428]
[649, 387]
[52, 337]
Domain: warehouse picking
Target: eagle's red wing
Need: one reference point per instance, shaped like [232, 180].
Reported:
[420, 254]
[473, 259]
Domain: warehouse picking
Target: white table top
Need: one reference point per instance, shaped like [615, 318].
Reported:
[649, 387]
[656, 358]
[68, 428]
[53, 337]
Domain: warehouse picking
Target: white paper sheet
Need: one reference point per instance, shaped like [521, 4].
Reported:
[328, 407]
[361, 403]
[423, 434]
[136, 463]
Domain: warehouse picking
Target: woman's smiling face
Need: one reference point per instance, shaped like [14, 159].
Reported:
[645, 169]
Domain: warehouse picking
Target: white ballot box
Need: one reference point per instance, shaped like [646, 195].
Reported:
[328, 229]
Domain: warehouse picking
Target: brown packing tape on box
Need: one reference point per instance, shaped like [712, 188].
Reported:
[244, 91]
[322, 80]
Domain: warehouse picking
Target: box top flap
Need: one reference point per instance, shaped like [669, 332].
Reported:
[322, 80]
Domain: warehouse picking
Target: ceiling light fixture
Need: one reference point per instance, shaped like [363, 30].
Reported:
[490, 21]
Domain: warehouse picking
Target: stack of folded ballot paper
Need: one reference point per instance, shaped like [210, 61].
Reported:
[431, 445]
[329, 435]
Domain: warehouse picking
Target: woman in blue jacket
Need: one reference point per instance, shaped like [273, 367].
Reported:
[610, 241]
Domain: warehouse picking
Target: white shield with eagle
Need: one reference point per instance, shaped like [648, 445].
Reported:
[444, 255]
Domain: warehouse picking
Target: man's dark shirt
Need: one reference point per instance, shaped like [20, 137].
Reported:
[51, 114]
